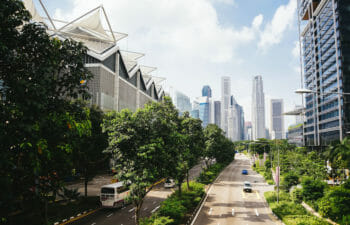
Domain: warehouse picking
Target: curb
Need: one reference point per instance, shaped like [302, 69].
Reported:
[77, 217]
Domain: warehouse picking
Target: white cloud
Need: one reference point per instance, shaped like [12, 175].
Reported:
[228, 2]
[282, 20]
[296, 50]
[187, 28]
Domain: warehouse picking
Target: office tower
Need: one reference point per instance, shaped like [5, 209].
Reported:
[206, 91]
[258, 109]
[248, 130]
[326, 58]
[235, 121]
[276, 119]
[182, 102]
[204, 110]
[217, 113]
[225, 102]
[194, 113]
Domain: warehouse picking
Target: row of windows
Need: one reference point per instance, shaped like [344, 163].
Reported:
[329, 115]
[329, 105]
[329, 125]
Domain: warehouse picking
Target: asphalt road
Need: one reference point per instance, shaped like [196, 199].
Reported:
[228, 204]
[126, 216]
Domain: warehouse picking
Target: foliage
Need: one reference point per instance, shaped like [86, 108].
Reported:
[217, 146]
[176, 207]
[156, 220]
[296, 195]
[313, 189]
[208, 175]
[289, 180]
[335, 204]
[291, 212]
[39, 123]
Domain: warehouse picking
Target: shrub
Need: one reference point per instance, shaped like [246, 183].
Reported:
[335, 204]
[285, 208]
[173, 208]
[289, 180]
[296, 195]
[303, 220]
[312, 189]
[154, 220]
[208, 175]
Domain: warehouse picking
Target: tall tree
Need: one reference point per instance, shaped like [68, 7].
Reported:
[39, 75]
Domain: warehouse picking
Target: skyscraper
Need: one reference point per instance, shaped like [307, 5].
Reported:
[217, 113]
[182, 102]
[225, 102]
[235, 121]
[206, 91]
[204, 110]
[276, 119]
[326, 65]
[258, 109]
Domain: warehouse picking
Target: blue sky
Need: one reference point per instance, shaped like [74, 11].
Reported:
[195, 42]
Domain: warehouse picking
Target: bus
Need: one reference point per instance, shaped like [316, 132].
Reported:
[113, 195]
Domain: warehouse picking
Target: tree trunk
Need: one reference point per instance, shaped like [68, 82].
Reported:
[180, 189]
[188, 179]
[86, 180]
[45, 212]
[137, 212]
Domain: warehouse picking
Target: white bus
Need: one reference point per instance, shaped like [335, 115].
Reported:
[113, 195]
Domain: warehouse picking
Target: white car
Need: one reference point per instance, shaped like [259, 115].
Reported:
[169, 183]
[247, 187]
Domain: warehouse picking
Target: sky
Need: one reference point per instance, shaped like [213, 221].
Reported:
[195, 42]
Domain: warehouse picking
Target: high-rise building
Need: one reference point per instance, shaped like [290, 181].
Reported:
[248, 130]
[258, 109]
[182, 102]
[326, 68]
[206, 91]
[235, 121]
[217, 113]
[204, 110]
[225, 102]
[276, 119]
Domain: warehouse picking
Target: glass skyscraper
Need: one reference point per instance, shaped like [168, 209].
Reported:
[206, 91]
[325, 39]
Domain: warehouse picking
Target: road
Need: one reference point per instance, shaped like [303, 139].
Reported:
[125, 216]
[228, 204]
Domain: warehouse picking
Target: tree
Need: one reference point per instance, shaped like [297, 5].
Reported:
[88, 156]
[40, 75]
[193, 141]
[143, 145]
[313, 189]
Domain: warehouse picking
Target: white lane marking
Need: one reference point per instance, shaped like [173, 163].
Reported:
[110, 215]
[233, 212]
[132, 209]
[256, 212]
[155, 209]
[154, 202]
[133, 216]
[93, 223]
[210, 210]
[145, 209]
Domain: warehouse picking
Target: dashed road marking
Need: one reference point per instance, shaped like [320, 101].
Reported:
[233, 212]
[110, 215]
[210, 211]
[145, 209]
[155, 209]
[132, 209]
[243, 194]
[93, 223]
[256, 212]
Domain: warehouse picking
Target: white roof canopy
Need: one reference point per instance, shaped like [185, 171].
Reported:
[146, 70]
[29, 5]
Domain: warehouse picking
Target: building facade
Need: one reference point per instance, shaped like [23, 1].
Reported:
[258, 109]
[182, 102]
[206, 91]
[325, 41]
[205, 110]
[225, 102]
[217, 113]
[119, 81]
[276, 119]
[248, 130]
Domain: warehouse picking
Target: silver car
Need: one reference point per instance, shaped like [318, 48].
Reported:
[247, 187]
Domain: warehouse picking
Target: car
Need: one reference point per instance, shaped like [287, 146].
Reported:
[245, 172]
[169, 183]
[247, 187]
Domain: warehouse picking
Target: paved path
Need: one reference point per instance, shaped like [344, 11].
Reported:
[228, 204]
